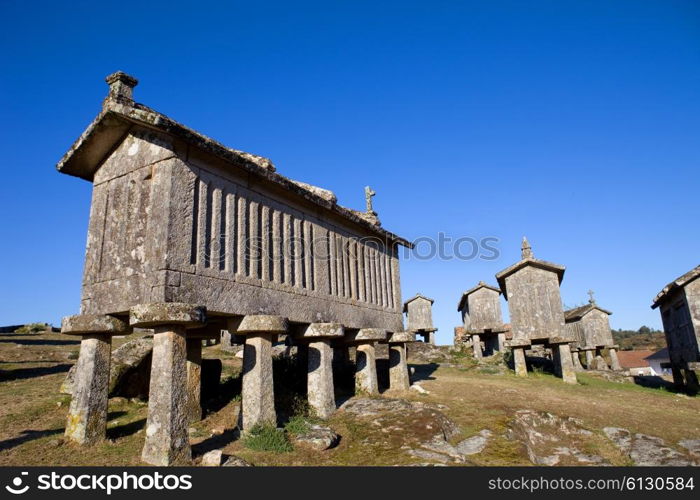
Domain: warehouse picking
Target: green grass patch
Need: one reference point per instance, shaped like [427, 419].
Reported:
[267, 438]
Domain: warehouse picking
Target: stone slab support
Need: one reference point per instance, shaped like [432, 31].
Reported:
[257, 393]
[476, 344]
[501, 341]
[320, 388]
[564, 365]
[87, 415]
[366, 369]
[399, 379]
[519, 361]
[167, 436]
[194, 379]
[614, 361]
[589, 359]
[577, 361]
[363, 341]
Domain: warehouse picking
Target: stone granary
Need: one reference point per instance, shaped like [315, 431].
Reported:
[419, 317]
[531, 287]
[480, 307]
[590, 328]
[188, 237]
[679, 304]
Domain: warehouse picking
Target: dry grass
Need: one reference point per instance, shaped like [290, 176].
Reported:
[32, 413]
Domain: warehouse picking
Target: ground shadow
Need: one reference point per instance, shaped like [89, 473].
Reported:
[126, 429]
[654, 382]
[25, 373]
[215, 442]
[27, 435]
[423, 371]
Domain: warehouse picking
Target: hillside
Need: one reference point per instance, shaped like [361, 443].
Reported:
[644, 338]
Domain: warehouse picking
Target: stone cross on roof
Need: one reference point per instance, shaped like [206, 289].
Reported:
[526, 250]
[369, 193]
[591, 300]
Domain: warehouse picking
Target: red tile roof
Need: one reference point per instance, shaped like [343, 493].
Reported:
[634, 359]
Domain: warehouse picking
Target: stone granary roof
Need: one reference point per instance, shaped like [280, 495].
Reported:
[579, 312]
[528, 259]
[417, 296]
[463, 300]
[677, 283]
[119, 113]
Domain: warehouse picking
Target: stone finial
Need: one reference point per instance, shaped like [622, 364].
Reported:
[526, 249]
[592, 299]
[121, 86]
[369, 193]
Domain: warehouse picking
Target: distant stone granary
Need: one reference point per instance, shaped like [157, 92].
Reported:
[419, 317]
[531, 287]
[480, 307]
[188, 237]
[679, 304]
[590, 328]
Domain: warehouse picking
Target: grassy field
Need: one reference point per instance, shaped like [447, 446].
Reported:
[32, 413]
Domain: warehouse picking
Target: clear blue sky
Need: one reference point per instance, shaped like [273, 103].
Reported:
[574, 123]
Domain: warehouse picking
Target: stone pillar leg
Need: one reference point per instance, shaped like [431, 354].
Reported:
[321, 393]
[589, 359]
[566, 366]
[167, 440]
[194, 379]
[501, 342]
[476, 344]
[87, 416]
[691, 382]
[398, 368]
[519, 361]
[577, 361]
[366, 369]
[257, 394]
[431, 338]
[614, 361]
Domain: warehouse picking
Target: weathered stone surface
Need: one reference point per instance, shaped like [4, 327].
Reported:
[234, 461]
[401, 337]
[321, 395]
[481, 315]
[553, 440]
[577, 361]
[692, 445]
[421, 352]
[167, 441]
[398, 368]
[87, 416]
[646, 450]
[257, 323]
[477, 346]
[366, 334]
[88, 324]
[519, 361]
[321, 330]
[212, 458]
[171, 313]
[614, 360]
[474, 444]
[366, 369]
[599, 364]
[317, 437]
[257, 397]
[194, 380]
[563, 363]
[129, 371]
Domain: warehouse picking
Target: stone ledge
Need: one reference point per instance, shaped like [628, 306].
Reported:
[86, 324]
[559, 340]
[366, 334]
[321, 330]
[400, 337]
[167, 313]
[257, 323]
